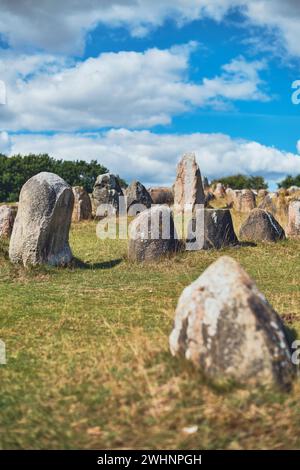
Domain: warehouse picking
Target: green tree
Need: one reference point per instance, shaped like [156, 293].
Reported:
[290, 181]
[16, 170]
[243, 182]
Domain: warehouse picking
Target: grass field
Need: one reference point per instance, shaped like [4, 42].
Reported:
[88, 364]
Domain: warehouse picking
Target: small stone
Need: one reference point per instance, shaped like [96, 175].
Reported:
[107, 190]
[152, 235]
[82, 205]
[293, 229]
[261, 226]
[216, 233]
[162, 196]
[7, 220]
[136, 193]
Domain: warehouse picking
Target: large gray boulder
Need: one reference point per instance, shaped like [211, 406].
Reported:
[7, 220]
[261, 226]
[213, 229]
[82, 205]
[136, 193]
[226, 327]
[152, 235]
[107, 190]
[41, 230]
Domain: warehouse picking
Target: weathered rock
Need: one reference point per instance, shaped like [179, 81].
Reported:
[262, 193]
[136, 193]
[213, 230]
[7, 220]
[220, 192]
[209, 197]
[107, 190]
[41, 230]
[275, 203]
[152, 235]
[226, 327]
[205, 183]
[188, 188]
[293, 229]
[162, 196]
[245, 201]
[293, 189]
[261, 226]
[82, 205]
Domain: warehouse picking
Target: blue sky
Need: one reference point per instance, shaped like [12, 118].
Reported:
[135, 84]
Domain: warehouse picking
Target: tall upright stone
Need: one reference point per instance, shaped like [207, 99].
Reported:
[7, 220]
[107, 190]
[188, 188]
[293, 228]
[82, 205]
[41, 230]
[245, 201]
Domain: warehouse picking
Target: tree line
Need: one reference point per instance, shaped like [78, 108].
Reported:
[16, 170]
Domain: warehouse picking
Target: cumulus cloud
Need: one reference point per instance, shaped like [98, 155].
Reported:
[130, 89]
[31, 23]
[152, 158]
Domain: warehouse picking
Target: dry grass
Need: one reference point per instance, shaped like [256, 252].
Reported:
[88, 361]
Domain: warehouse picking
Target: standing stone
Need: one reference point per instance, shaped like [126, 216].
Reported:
[205, 183]
[293, 229]
[262, 193]
[261, 226]
[82, 205]
[188, 189]
[227, 328]
[107, 190]
[293, 189]
[41, 230]
[213, 231]
[220, 192]
[136, 193]
[162, 196]
[245, 201]
[7, 220]
[152, 235]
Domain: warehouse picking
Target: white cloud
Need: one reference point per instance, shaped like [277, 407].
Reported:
[32, 23]
[129, 89]
[5, 143]
[152, 158]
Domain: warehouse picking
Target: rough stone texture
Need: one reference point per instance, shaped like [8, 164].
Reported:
[261, 226]
[150, 239]
[107, 190]
[230, 196]
[41, 230]
[188, 188]
[7, 220]
[226, 327]
[220, 192]
[293, 189]
[275, 203]
[162, 196]
[293, 229]
[136, 193]
[82, 205]
[245, 201]
[218, 231]
[205, 183]
[262, 193]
